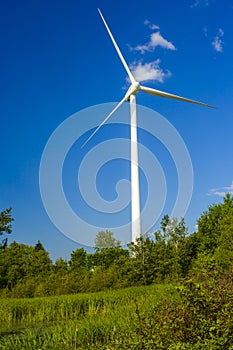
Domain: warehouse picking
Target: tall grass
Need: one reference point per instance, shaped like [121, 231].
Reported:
[200, 318]
[60, 308]
[197, 316]
[83, 321]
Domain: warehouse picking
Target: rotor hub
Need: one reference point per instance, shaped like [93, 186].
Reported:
[133, 90]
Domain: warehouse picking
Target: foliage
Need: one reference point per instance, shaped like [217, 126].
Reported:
[78, 259]
[169, 255]
[106, 239]
[5, 225]
[215, 236]
[83, 321]
[195, 315]
[154, 317]
[215, 223]
[201, 319]
[19, 262]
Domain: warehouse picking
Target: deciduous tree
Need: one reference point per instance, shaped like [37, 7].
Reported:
[106, 239]
[5, 225]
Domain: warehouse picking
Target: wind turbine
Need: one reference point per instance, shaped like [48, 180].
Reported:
[130, 95]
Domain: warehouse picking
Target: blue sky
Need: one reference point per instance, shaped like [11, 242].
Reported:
[57, 59]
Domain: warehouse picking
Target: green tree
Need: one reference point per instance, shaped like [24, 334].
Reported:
[5, 225]
[212, 223]
[40, 262]
[61, 266]
[173, 230]
[169, 248]
[39, 246]
[215, 230]
[142, 262]
[224, 251]
[78, 259]
[188, 252]
[106, 239]
[21, 262]
[108, 256]
[17, 263]
[3, 268]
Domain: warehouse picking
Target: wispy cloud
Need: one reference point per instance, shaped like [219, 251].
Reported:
[150, 71]
[221, 191]
[156, 39]
[205, 31]
[198, 3]
[195, 4]
[151, 25]
[217, 42]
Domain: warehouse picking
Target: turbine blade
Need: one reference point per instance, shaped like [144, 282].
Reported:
[131, 77]
[155, 92]
[104, 121]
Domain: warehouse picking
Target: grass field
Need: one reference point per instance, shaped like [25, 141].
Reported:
[104, 320]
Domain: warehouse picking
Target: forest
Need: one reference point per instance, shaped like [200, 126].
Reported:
[170, 255]
[172, 290]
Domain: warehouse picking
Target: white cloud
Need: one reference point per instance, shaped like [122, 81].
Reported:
[150, 71]
[217, 42]
[221, 191]
[154, 26]
[156, 39]
[151, 25]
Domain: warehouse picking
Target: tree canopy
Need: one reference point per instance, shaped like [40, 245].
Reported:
[106, 239]
[168, 255]
[5, 225]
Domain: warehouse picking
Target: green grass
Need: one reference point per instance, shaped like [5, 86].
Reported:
[159, 317]
[83, 321]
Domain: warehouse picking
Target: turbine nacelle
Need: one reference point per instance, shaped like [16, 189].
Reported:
[133, 90]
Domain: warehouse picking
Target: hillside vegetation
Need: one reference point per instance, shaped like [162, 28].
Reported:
[170, 291]
[170, 255]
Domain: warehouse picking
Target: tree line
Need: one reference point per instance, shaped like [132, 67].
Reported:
[169, 255]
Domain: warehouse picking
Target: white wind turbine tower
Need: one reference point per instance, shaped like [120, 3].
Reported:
[130, 95]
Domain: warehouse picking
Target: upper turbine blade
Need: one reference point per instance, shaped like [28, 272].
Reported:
[155, 92]
[131, 77]
[104, 121]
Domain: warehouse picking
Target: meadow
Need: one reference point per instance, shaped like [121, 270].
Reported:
[192, 315]
[100, 320]
[112, 299]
